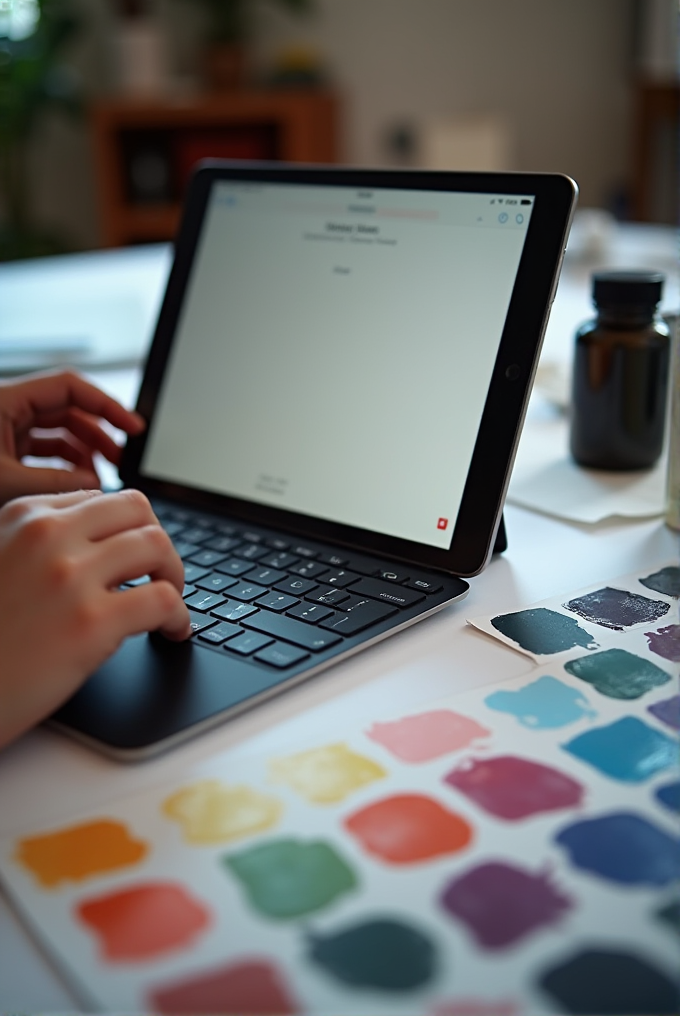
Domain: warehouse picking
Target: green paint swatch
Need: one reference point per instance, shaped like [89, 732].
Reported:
[287, 878]
[618, 674]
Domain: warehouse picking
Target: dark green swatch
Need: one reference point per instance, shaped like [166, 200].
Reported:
[287, 878]
[665, 581]
[617, 673]
[543, 631]
[382, 953]
[670, 915]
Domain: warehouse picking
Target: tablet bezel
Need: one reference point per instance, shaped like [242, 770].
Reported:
[480, 510]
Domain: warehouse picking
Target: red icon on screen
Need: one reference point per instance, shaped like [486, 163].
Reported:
[442, 523]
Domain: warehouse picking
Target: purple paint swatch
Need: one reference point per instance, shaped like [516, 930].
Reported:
[627, 750]
[501, 904]
[543, 631]
[665, 642]
[617, 608]
[513, 788]
[665, 581]
[622, 847]
[669, 796]
[615, 983]
[668, 711]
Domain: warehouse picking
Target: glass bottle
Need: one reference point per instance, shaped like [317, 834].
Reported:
[620, 377]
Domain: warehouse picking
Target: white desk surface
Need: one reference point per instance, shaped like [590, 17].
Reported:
[44, 776]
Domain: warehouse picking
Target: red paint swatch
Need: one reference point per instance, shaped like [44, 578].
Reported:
[513, 788]
[408, 827]
[252, 987]
[144, 922]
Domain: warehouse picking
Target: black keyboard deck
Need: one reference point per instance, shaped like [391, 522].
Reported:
[275, 600]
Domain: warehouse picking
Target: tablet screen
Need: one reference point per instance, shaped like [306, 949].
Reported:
[334, 350]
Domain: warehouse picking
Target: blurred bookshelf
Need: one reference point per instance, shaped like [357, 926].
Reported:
[657, 152]
[145, 150]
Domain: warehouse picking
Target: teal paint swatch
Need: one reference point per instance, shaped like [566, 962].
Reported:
[382, 953]
[667, 581]
[627, 750]
[542, 705]
[287, 878]
[543, 631]
[617, 673]
[670, 915]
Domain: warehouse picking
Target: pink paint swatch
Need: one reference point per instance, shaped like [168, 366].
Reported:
[145, 921]
[514, 788]
[407, 828]
[250, 987]
[501, 904]
[428, 735]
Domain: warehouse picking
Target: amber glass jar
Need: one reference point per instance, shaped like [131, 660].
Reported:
[620, 379]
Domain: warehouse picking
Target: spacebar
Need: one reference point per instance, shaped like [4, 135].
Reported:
[297, 632]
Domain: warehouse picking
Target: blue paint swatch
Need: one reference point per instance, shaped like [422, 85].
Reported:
[669, 795]
[542, 705]
[543, 631]
[627, 750]
[610, 984]
[622, 847]
[617, 673]
[668, 711]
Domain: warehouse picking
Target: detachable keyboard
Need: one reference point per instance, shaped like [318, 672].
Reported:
[276, 600]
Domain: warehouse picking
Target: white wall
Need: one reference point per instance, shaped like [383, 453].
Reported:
[559, 71]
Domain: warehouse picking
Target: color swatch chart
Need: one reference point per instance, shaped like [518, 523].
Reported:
[510, 850]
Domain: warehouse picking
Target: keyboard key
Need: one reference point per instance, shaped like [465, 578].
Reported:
[340, 578]
[265, 576]
[276, 543]
[215, 583]
[295, 586]
[193, 572]
[352, 602]
[251, 536]
[195, 535]
[277, 601]
[205, 601]
[304, 550]
[222, 543]
[424, 585]
[188, 590]
[141, 581]
[247, 591]
[328, 596]
[220, 633]
[387, 592]
[286, 628]
[336, 560]
[280, 559]
[309, 569]
[365, 565]
[234, 566]
[199, 622]
[312, 613]
[184, 548]
[251, 551]
[232, 610]
[362, 616]
[248, 642]
[172, 528]
[280, 655]
[392, 575]
[207, 558]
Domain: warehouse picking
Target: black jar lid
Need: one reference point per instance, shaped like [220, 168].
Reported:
[627, 289]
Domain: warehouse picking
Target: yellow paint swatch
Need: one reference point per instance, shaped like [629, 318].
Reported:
[77, 853]
[326, 775]
[211, 812]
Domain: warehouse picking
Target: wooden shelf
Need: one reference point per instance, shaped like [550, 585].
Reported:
[144, 150]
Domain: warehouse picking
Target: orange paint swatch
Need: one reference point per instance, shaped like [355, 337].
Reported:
[79, 852]
[407, 828]
[145, 921]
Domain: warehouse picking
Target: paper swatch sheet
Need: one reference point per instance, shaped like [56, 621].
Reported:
[509, 850]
